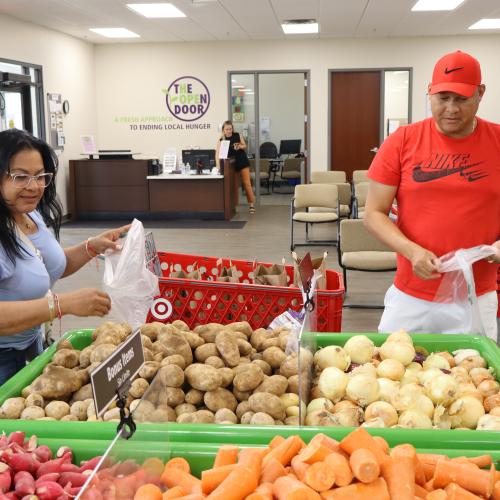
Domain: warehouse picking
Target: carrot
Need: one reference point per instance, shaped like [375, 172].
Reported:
[319, 476]
[456, 492]
[240, 483]
[175, 492]
[465, 475]
[211, 478]
[263, 492]
[399, 473]
[420, 491]
[272, 471]
[431, 458]
[428, 469]
[429, 485]
[360, 438]
[299, 467]
[275, 441]
[226, 455]
[364, 465]
[482, 461]
[340, 464]
[325, 440]
[193, 496]
[251, 458]
[407, 450]
[290, 488]
[285, 451]
[496, 491]
[314, 452]
[179, 463]
[382, 443]
[172, 476]
[359, 491]
[437, 495]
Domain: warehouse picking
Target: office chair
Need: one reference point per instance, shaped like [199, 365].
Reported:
[264, 173]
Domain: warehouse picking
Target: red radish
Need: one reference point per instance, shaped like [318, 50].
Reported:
[30, 497]
[70, 468]
[43, 453]
[31, 444]
[25, 484]
[75, 478]
[4, 440]
[49, 491]
[11, 495]
[48, 467]
[5, 480]
[17, 437]
[75, 490]
[16, 448]
[53, 476]
[90, 464]
[64, 450]
[23, 462]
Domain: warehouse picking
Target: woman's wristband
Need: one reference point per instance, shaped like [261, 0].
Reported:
[91, 251]
[52, 305]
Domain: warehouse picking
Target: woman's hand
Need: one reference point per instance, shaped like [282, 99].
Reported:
[236, 146]
[85, 302]
[107, 240]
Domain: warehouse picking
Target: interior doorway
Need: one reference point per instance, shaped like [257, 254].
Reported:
[365, 107]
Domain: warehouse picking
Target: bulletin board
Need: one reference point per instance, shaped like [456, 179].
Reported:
[56, 129]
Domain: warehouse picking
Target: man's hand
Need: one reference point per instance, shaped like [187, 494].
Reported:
[424, 264]
[495, 259]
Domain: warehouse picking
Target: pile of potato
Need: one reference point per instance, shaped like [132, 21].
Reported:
[215, 373]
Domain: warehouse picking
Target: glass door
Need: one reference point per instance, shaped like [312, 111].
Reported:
[11, 110]
[396, 100]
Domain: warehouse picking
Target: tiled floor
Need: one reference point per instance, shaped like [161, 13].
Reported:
[265, 236]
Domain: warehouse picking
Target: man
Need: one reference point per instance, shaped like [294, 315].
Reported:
[445, 174]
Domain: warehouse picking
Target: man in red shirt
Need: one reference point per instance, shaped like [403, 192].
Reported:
[445, 175]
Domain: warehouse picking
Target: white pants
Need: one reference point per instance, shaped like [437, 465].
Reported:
[423, 316]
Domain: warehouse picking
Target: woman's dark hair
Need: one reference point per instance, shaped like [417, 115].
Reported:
[12, 142]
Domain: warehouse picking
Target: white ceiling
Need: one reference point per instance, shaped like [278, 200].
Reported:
[251, 19]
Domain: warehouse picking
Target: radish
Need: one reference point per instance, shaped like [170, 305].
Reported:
[50, 491]
[23, 462]
[24, 483]
[75, 478]
[90, 464]
[43, 453]
[17, 437]
[31, 444]
[70, 468]
[48, 467]
[5, 479]
[53, 476]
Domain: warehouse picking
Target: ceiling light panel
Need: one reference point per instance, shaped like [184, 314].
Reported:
[156, 10]
[115, 32]
[299, 28]
[486, 24]
[429, 5]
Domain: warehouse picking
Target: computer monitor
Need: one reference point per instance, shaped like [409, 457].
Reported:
[199, 158]
[115, 154]
[290, 146]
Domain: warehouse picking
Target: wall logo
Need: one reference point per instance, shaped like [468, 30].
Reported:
[188, 98]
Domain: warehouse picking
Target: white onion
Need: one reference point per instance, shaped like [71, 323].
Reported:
[425, 375]
[332, 355]
[412, 390]
[401, 351]
[362, 390]
[388, 389]
[360, 349]
[436, 361]
[322, 418]
[367, 369]
[460, 373]
[319, 404]
[410, 377]
[414, 366]
[374, 423]
[413, 419]
[468, 410]
[479, 374]
[488, 423]
[442, 390]
[495, 411]
[418, 402]
[488, 388]
[400, 336]
[332, 383]
[391, 368]
[349, 417]
[473, 362]
[461, 354]
[441, 419]
[383, 410]
[469, 390]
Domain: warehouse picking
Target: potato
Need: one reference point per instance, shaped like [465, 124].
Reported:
[138, 388]
[181, 325]
[57, 409]
[171, 396]
[174, 359]
[79, 410]
[91, 409]
[194, 397]
[101, 352]
[263, 366]
[146, 342]
[69, 358]
[68, 418]
[35, 400]
[203, 417]
[117, 332]
[258, 336]
[292, 421]
[143, 411]
[267, 403]
[290, 399]
[148, 355]
[184, 408]
[47, 418]
[261, 418]
[228, 348]
[220, 398]
[203, 377]
[133, 405]
[57, 382]
[274, 356]
[283, 338]
[290, 366]
[12, 408]
[149, 369]
[85, 392]
[256, 356]
[227, 376]
[245, 359]
[240, 326]
[163, 413]
[113, 414]
[32, 413]
[83, 375]
[267, 343]
[205, 351]
[175, 343]
[244, 347]
[209, 331]
[215, 361]
[240, 395]
[171, 376]
[64, 344]
[293, 384]
[246, 418]
[242, 408]
[194, 340]
[225, 416]
[275, 384]
[248, 378]
[84, 356]
[26, 391]
[151, 330]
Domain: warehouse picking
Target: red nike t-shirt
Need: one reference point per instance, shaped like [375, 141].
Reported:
[448, 195]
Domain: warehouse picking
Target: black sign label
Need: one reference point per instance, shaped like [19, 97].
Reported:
[116, 371]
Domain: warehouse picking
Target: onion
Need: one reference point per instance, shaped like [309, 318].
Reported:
[488, 388]
[495, 411]
[388, 389]
[367, 369]
[460, 354]
[412, 390]
[319, 404]
[321, 418]
[469, 390]
[290, 399]
[426, 375]
[442, 390]
[332, 355]
[332, 383]
[488, 423]
[461, 374]
[401, 351]
[491, 402]
[436, 361]
[479, 374]
[374, 423]
[362, 390]
[410, 377]
[413, 419]
[441, 418]
[391, 368]
[473, 362]
[468, 410]
[400, 336]
[418, 402]
[341, 405]
[414, 366]
[360, 349]
[349, 417]
[383, 410]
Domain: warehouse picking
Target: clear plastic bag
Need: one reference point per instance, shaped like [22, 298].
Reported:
[130, 284]
[457, 291]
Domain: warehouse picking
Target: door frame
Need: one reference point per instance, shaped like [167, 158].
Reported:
[307, 114]
[381, 71]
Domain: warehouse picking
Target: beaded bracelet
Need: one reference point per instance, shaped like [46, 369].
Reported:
[89, 248]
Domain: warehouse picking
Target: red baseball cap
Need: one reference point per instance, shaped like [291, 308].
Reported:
[456, 72]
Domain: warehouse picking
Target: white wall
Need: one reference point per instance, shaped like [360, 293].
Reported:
[68, 69]
[129, 79]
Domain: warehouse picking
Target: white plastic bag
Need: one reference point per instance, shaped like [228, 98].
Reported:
[131, 286]
[457, 288]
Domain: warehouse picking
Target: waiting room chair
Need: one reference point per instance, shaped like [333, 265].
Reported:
[313, 195]
[264, 173]
[329, 177]
[344, 189]
[268, 150]
[360, 192]
[359, 250]
[290, 171]
[359, 176]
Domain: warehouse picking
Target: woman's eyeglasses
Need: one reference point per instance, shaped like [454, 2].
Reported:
[24, 180]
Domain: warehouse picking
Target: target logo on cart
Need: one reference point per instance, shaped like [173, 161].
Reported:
[161, 309]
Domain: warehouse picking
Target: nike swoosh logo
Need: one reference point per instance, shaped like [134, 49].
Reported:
[422, 176]
[446, 71]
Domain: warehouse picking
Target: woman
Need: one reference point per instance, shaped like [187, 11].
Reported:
[237, 148]
[31, 259]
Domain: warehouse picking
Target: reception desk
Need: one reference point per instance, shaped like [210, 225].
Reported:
[121, 189]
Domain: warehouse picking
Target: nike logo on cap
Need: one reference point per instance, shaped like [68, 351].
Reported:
[446, 71]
